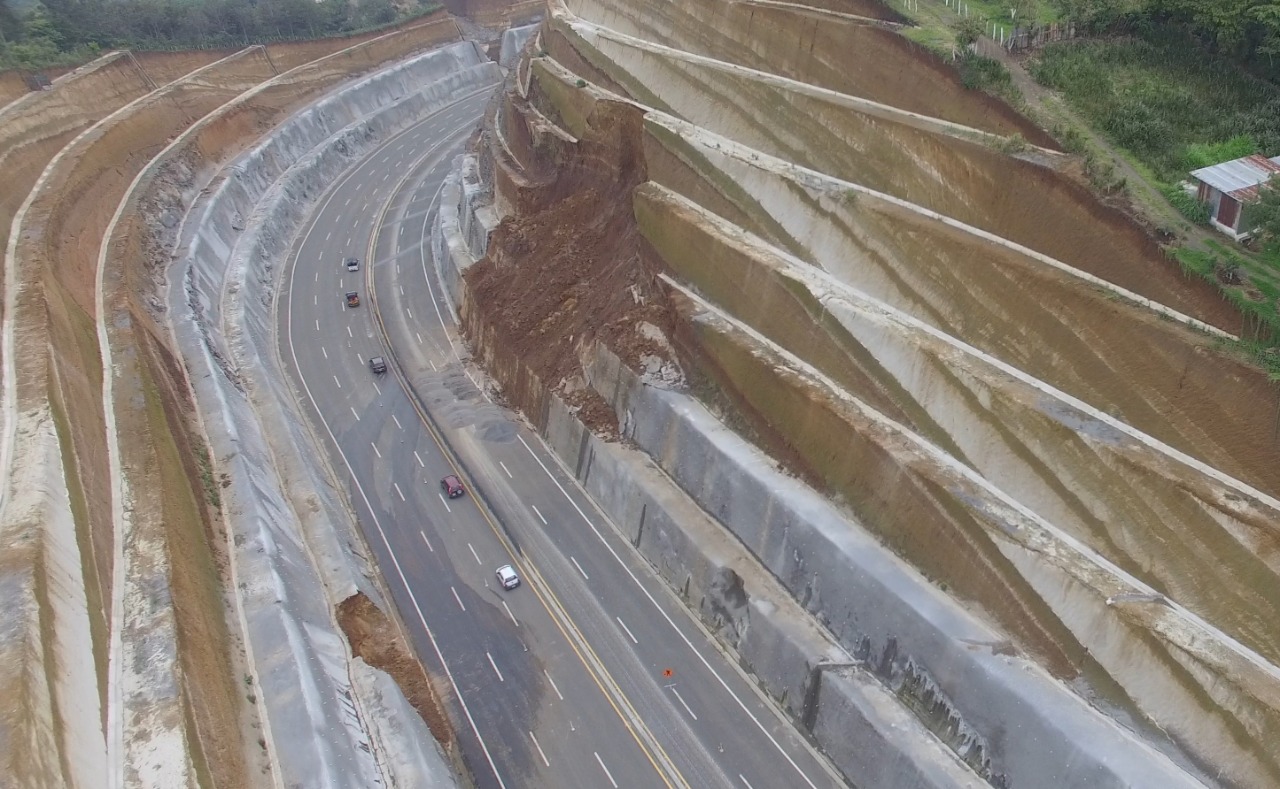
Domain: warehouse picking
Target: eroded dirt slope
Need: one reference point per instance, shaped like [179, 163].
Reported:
[1065, 379]
[79, 283]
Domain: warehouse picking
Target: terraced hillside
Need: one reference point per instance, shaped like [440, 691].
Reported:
[122, 640]
[787, 221]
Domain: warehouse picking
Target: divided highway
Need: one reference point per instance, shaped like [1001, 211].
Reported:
[590, 674]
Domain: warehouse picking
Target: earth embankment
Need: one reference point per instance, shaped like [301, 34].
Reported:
[126, 653]
[981, 364]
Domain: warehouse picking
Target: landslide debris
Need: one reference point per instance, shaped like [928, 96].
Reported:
[1070, 446]
[569, 267]
[378, 641]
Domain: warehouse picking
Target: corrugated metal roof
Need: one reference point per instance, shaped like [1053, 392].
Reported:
[1250, 193]
[1239, 177]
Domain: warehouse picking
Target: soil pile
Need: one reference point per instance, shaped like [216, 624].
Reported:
[375, 639]
[569, 268]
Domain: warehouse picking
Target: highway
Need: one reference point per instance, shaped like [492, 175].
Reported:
[591, 673]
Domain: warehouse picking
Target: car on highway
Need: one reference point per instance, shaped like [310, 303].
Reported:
[507, 577]
[452, 486]
[378, 364]
[352, 264]
[353, 299]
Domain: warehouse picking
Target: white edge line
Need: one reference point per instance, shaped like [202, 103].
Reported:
[553, 685]
[378, 525]
[539, 747]
[742, 705]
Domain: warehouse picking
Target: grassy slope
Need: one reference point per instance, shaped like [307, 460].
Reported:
[1141, 113]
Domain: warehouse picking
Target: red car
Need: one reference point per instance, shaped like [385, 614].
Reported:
[452, 486]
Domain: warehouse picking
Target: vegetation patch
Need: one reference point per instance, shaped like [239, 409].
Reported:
[1164, 99]
[983, 73]
[1186, 203]
[1174, 100]
[65, 32]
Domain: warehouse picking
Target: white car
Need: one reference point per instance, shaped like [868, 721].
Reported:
[507, 577]
[353, 264]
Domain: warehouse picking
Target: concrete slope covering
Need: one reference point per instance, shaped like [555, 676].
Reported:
[967, 417]
[126, 662]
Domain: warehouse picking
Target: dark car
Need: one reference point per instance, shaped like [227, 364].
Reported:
[378, 364]
[353, 264]
[353, 299]
[452, 486]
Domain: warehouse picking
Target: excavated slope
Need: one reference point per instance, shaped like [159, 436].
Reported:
[1002, 379]
[118, 651]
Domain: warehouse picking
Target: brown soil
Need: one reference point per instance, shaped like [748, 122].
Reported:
[568, 266]
[161, 451]
[1027, 203]
[872, 9]
[561, 272]
[198, 567]
[565, 269]
[11, 86]
[51, 119]
[903, 498]
[845, 56]
[295, 53]
[375, 638]
[165, 67]
[61, 238]
[62, 235]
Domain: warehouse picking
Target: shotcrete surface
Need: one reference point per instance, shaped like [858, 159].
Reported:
[278, 533]
[999, 377]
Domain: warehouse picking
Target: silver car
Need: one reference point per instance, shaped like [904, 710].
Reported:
[507, 577]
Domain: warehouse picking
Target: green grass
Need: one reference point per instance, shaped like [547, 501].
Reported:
[1169, 108]
[1186, 204]
[1258, 301]
[935, 21]
[980, 73]
[1163, 99]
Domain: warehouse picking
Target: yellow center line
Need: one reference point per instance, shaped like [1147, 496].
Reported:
[539, 588]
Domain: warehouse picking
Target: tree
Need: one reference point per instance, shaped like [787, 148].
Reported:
[376, 12]
[1268, 17]
[1092, 14]
[968, 30]
[1024, 12]
[10, 25]
[60, 30]
[1266, 213]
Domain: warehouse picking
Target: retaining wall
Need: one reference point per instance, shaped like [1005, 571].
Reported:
[1033, 730]
[789, 654]
[513, 41]
[296, 554]
[777, 642]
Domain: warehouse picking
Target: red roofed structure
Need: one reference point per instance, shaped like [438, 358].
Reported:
[1229, 187]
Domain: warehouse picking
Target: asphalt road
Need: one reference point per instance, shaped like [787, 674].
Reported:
[590, 674]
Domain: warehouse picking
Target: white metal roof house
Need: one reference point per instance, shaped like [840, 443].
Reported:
[1229, 187]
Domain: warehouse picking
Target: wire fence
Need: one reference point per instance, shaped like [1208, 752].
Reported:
[1000, 39]
[1023, 39]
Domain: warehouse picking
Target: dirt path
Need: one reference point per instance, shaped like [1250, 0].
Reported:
[1140, 196]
